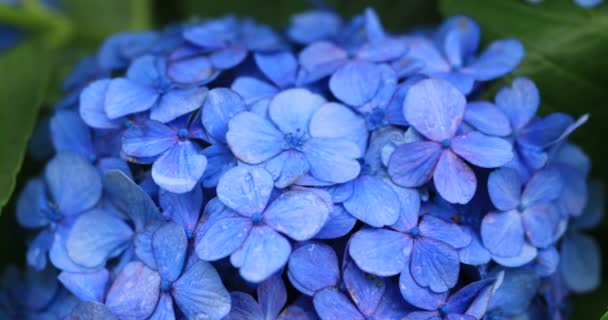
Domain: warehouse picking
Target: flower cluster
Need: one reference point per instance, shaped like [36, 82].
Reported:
[223, 170]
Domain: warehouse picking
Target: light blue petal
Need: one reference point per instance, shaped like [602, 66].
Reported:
[544, 186]
[219, 161]
[519, 102]
[199, 293]
[503, 233]
[413, 164]
[135, 292]
[504, 188]
[253, 89]
[332, 304]
[291, 110]
[142, 244]
[287, 168]
[91, 311]
[453, 179]
[434, 265]
[463, 82]
[313, 267]
[374, 202]
[125, 97]
[580, 262]
[527, 254]
[540, 223]
[334, 120]
[253, 139]
[410, 208]
[179, 169]
[69, 133]
[418, 296]
[297, 214]
[169, 245]
[220, 106]
[245, 189]
[228, 57]
[487, 118]
[164, 308]
[304, 27]
[92, 106]
[148, 140]
[380, 251]
[444, 231]
[146, 70]
[178, 102]
[356, 82]
[475, 253]
[195, 69]
[546, 262]
[332, 160]
[321, 59]
[280, 67]
[86, 286]
[500, 58]
[483, 151]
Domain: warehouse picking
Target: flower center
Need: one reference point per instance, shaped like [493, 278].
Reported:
[446, 143]
[257, 218]
[414, 232]
[521, 207]
[165, 285]
[375, 119]
[443, 310]
[182, 134]
[295, 140]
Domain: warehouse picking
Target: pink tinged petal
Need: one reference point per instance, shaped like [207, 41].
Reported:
[287, 168]
[483, 151]
[148, 140]
[441, 230]
[487, 118]
[334, 120]
[331, 304]
[178, 102]
[125, 97]
[244, 307]
[454, 180]
[503, 233]
[545, 186]
[169, 245]
[297, 214]
[332, 160]
[292, 109]
[541, 222]
[519, 102]
[164, 308]
[527, 254]
[434, 108]
[500, 58]
[263, 253]
[221, 232]
[380, 251]
[180, 168]
[418, 296]
[504, 187]
[253, 139]
[366, 290]
[273, 296]
[313, 267]
[245, 189]
[374, 202]
[87, 286]
[92, 106]
[356, 82]
[221, 105]
[135, 292]
[412, 164]
[434, 265]
[580, 262]
[200, 294]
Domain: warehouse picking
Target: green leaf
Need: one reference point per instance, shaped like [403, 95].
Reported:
[605, 316]
[566, 50]
[23, 82]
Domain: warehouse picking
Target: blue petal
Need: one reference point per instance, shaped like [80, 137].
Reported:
[86, 286]
[91, 311]
[544, 186]
[227, 58]
[40, 288]
[164, 308]
[221, 233]
[504, 188]
[273, 296]
[453, 179]
[527, 254]
[125, 97]
[434, 108]
[545, 131]
[541, 222]
[483, 151]
[169, 245]
[135, 292]
[38, 248]
[321, 59]
[195, 69]
[356, 82]
[313, 267]
[423, 50]
[107, 164]
[516, 292]
[199, 292]
[418, 296]
[391, 305]
[503, 233]
[413, 164]
[374, 202]
[220, 106]
[332, 160]
[253, 89]
[304, 27]
[444, 231]
[263, 253]
[245, 189]
[380, 251]
[384, 49]
[179, 169]
[178, 102]
[434, 264]
[73, 183]
[59, 254]
[279, 67]
[146, 70]
[183, 209]
[334, 120]
[580, 262]
[97, 236]
[467, 30]
[244, 307]
[500, 58]
[475, 253]
[338, 224]
[364, 289]
[297, 214]
[148, 140]
[253, 139]
[410, 207]
[301, 309]
[142, 244]
[219, 161]
[463, 82]
[92, 106]
[519, 102]
[291, 110]
[487, 118]
[287, 168]
[31, 205]
[332, 304]
[546, 262]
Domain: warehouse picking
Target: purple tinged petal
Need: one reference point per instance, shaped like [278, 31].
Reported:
[412, 164]
[252, 89]
[441, 230]
[356, 82]
[434, 108]
[92, 106]
[374, 202]
[487, 118]
[527, 254]
[222, 232]
[135, 292]
[87, 286]
[338, 224]
[380, 251]
[169, 245]
[434, 264]
[292, 109]
[297, 214]
[541, 221]
[332, 304]
[183, 209]
[418, 296]
[125, 97]
[31, 205]
[287, 168]
[164, 308]
[519, 102]
[148, 140]
[483, 151]
[313, 267]
[332, 159]
[500, 58]
[365, 290]
[279, 67]
[178, 102]
[453, 179]
[273, 296]
[219, 107]
[244, 307]
[580, 262]
[245, 189]
[263, 253]
[199, 293]
[253, 139]
[505, 187]
[503, 233]
[179, 169]
[97, 236]
[544, 186]
[322, 59]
